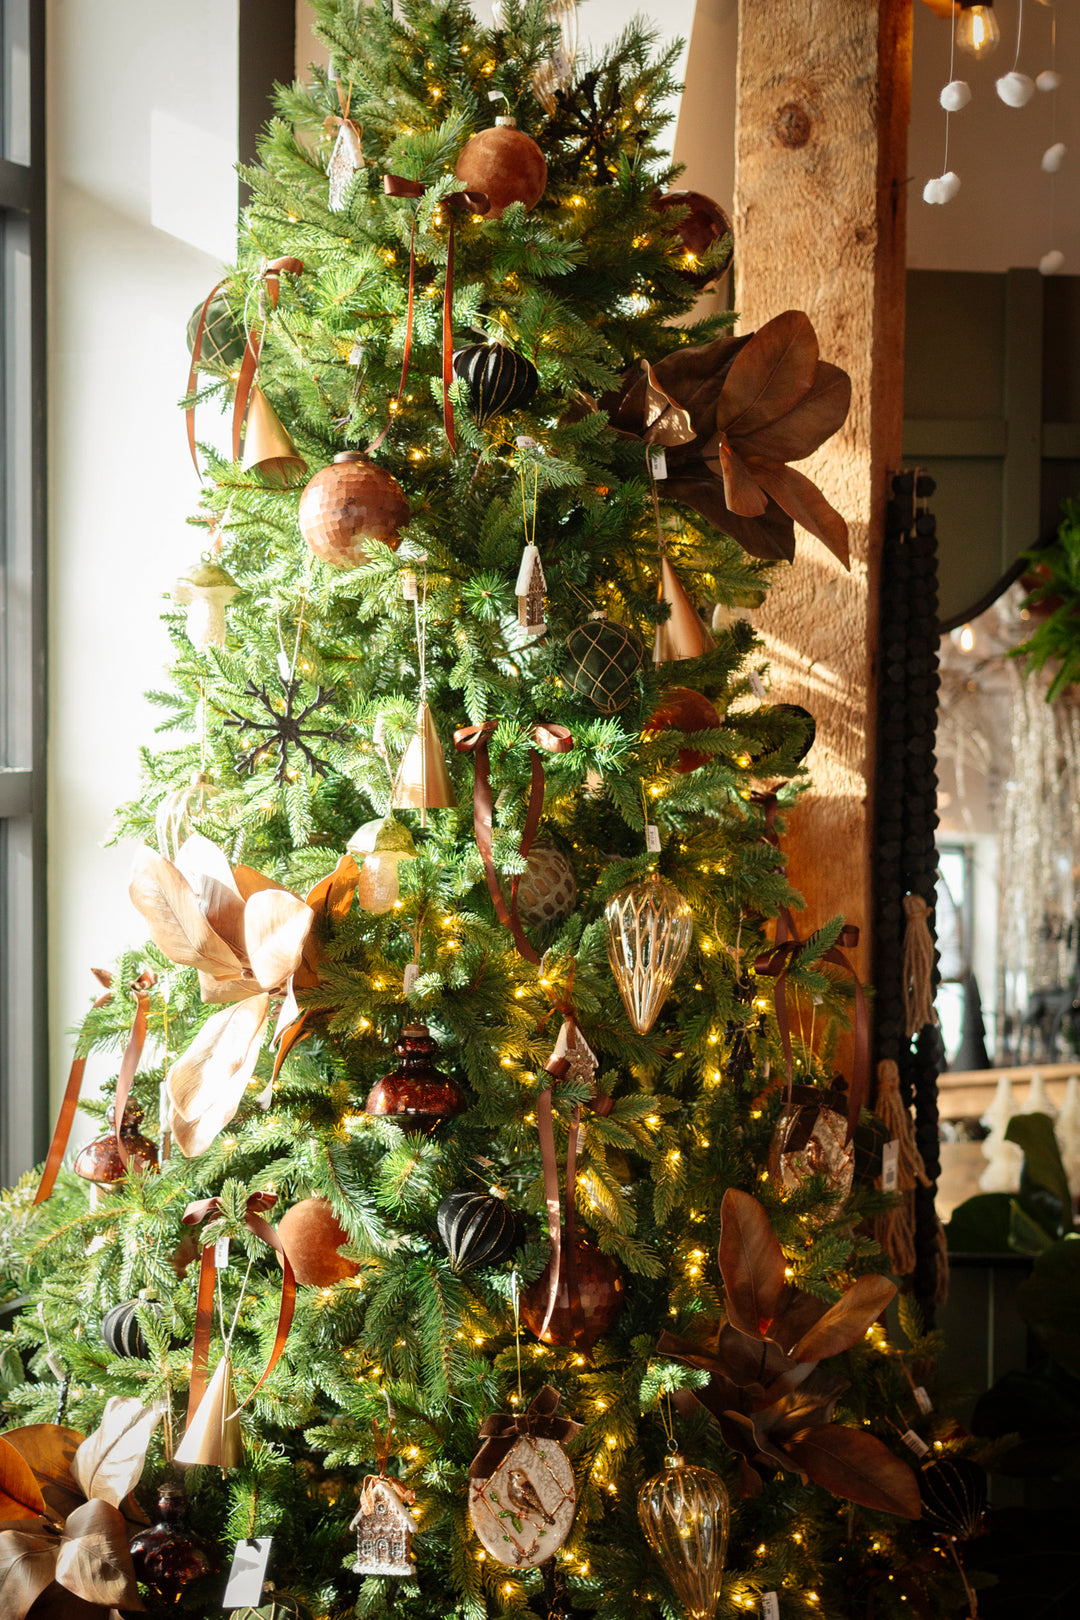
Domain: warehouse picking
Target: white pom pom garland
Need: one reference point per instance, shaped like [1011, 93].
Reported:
[942, 188]
[1048, 80]
[1051, 262]
[956, 95]
[1053, 158]
[1015, 89]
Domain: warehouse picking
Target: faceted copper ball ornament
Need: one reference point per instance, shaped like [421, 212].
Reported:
[681, 709]
[505, 164]
[601, 1292]
[416, 1095]
[351, 502]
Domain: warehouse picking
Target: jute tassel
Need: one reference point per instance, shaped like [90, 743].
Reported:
[895, 1230]
[918, 966]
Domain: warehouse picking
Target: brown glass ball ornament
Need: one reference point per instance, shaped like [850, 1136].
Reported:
[416, 1095]
[505, 164]
[704, 224]
[601, 1292]
[167, 1557]
[348, 504]
[100, 1162]
[681, 709]
[312, 1235]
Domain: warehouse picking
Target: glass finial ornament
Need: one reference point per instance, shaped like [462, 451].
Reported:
[649, 926]
[416, 1095]
[100, 1162]
[380, 846]
[206, 592]
[685, 1514]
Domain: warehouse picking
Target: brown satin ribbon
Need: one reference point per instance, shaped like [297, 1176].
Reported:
[395, 185]
[257, 1206]
[70, 1102]
[474, 740]
[502, 1430]
[249, 365]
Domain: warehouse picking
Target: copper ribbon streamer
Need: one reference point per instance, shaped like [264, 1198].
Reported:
[257, 1206]
[474, 740]
[502, 1430]
[395, 185]
[253, 347]
[70, 1102]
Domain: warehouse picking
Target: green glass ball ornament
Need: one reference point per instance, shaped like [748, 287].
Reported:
[223, 338]
[602, 664]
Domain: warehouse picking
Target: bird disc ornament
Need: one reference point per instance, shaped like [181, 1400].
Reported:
[416, 1095]
[548, 889]
[600, 1295]
[682, 709]
[522, 1495]
[505, 164]
[121, 1331]
[603, 660]
[498, 380]
[685, 1514]
[312, 1235]
[649, 926]
[478, 1229]
[348, 504]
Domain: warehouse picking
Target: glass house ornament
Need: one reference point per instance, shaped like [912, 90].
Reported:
[100, 1162]
[649, 926]
[384, 1529]
[416, 1095]
[380, 846]
[529, 590]
[685, 1515]
[206, 592]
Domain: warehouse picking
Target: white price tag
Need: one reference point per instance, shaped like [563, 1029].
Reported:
[284, 667]
[757, 686]
[221, 1254]
[658, 461]
[890, 1165]
[55, 1366]
[915, 1443]
[770, 1606]
[410, 976]
[922, 1399]
[247, 1574]
[652, 838]
[410, 590]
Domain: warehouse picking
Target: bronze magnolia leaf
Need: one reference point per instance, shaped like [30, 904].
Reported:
[770, 375]
[334, 893]
[857, 1466]
[744, 1433]
[741, 492]
[276, 928]
[666, 422]
[109, 1463]
[249, 882]
[801, 499]
[206, 1085]
[94, 1561]
[49, 1448]
[845, 1323]
[219, 992]
[808, 424]
[694, 375]
[751, 1262]
[204, 866]
[170, 908]
[27, 1567]
[771, 537]
[749, 1358]
[20, 1493]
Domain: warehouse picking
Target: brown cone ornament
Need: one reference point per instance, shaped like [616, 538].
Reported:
[422, 781]
[505, 164]
[416, 1095]
[600, 1289]
[312, 1236]
[351, 502]
[682, 709]
[683, 633]
[268, 448]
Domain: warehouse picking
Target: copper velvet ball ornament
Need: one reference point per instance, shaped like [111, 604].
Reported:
[505, 164]
[601, 1291]
[498, 380]
[100, 1161]
[703, 224]
[351, 502]
[312, 1236]
[167, 1557]
[416, 1095]
[681, 709]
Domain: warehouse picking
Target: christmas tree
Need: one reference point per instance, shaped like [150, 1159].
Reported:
[459, 1041]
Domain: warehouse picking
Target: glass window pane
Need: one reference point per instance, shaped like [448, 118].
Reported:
[15, 80]
[16, 531]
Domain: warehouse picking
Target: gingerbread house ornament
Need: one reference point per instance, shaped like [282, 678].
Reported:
[529, 590]
[384, 1529]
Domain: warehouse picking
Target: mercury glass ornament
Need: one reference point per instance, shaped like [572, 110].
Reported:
[649, 926]
[380, 846]
[685, 1514]
[167, 1557]
[810, 1140]
[416, 1096]
[100, 1162]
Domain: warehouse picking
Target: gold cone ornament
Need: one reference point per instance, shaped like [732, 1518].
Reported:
[649, 926]
[213, 1435]
[684, 1513]
[267, 446]
[683, 634]
[422, 781]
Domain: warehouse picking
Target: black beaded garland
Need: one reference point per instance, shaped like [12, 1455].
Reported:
[478, 1229]
[498, 380]
[121, 1330]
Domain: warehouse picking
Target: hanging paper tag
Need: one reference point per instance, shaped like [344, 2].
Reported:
[915, 1443]
[411, 974]
[410, 589]
[652, 838]
[247, 1574]
[658, 461]
[55, 1366]
[284, 668]
[221, 1254]
[770, 1606]
[922, 1399]
[890, 1165]
[757, 685]
[356, 354]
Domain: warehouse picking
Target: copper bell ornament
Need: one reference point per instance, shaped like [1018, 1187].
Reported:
[100, 1162]
[416, 1095]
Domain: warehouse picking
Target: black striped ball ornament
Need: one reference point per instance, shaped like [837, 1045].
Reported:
[122, 1333]
[498, 380]
[478, 1229]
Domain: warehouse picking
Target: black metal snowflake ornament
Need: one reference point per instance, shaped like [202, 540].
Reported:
[286, 728]
[591, 118]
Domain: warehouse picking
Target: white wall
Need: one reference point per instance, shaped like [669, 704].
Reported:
[142, 110]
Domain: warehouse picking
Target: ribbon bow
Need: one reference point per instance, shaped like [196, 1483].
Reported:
[203, 1209]
[502, 1430]
[395, 185]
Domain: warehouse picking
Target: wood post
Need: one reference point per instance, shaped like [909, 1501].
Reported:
[820, 191]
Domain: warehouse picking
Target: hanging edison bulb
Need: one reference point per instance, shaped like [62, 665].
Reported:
[649, 926]
[685, 1513]
[977, 30]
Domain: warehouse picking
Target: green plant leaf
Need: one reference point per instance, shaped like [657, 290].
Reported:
[1034, 1133]
[980, 1225]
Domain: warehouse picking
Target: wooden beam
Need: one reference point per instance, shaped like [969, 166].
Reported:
[820, 191]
